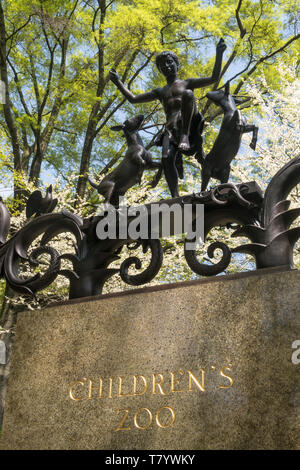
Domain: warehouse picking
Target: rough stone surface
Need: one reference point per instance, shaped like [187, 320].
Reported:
[243, 326]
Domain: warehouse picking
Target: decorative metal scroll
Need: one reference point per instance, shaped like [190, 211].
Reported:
[264, 220]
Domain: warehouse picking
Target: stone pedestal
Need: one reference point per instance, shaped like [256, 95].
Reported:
[197, 365]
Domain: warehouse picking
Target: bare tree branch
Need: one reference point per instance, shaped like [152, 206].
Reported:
[19, 29]
[186, 39]
[11, 124]
[16, 80]
[243, 31]
[94, 19]
[60, 129]
[263, 59]
[248, 65]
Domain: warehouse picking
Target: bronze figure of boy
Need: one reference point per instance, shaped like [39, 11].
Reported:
[184, 122]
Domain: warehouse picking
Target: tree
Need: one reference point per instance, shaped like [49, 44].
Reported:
[55, 57]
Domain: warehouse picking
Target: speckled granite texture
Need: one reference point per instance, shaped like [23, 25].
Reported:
[215, 361]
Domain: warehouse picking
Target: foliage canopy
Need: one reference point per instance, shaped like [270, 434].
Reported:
[56, 55]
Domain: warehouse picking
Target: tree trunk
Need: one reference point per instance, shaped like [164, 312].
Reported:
[9, 119]
[42, 139]
[85, 162]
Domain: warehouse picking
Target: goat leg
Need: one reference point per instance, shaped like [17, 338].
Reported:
[250, 128]
[254, 138]
[157, 177]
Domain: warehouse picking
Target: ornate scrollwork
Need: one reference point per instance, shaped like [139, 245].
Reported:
[39, 281]
[15, 251]
[235, 192]
[272, 239]
[206, 269]
[151, 271]
[219, 214]
[265, 221]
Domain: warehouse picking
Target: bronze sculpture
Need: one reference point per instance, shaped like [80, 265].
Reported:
[184, 123]
[265, 220]
[216, 163]
[38, 205]
[130, 171]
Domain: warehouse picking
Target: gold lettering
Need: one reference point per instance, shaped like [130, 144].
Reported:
[158, 384]
[135, 381]
[137, 425]
[192, 378]
[110, 387]
[119, 427]
[175, 382]
[91, 387]
[227, 377]
[80, 382]
[164, 426]
[120, 390]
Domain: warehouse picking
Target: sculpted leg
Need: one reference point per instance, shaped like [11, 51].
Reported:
[187, 111]
[206, 174]
[254, 130]
[106, 189]
[224, 176]
[169, 152]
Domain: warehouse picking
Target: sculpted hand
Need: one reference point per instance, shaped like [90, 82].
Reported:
[221, 46]
[114, 77]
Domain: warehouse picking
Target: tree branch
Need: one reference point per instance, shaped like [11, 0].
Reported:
[263, 59]
[243, 31]
[16, 80]
[64, 130]
[94, 18]
[35, 82]
[185, 39]
[11, 124]
[19, 29]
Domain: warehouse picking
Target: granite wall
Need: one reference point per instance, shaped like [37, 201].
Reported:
[200, 365]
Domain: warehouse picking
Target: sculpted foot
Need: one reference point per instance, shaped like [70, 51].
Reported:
[184, 143]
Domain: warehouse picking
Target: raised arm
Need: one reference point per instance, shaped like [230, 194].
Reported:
[142, 98]
[205, 81]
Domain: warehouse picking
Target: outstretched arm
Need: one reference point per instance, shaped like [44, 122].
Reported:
[202, 82]
[142, 98]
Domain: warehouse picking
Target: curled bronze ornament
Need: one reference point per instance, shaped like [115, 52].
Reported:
[236, 193]
[206, 269]
[150, 272]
